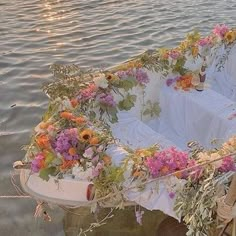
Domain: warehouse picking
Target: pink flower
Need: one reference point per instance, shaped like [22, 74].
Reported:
[167, 161]
[228, 164]
[220, 30]
[174, 54]
[88, 93]
[96, 170]
[88, 153]
[204, 42]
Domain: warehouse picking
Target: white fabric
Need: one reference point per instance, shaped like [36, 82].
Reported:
[224, 81]
[130, 131]
[196, 116]
[134, 133]
[151, 92]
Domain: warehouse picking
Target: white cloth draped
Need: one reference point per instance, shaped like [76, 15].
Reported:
[196, 116]
[134, 133]
[224, 81]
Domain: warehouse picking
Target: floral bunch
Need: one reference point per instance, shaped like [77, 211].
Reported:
[152, 162]
[224, 34]
[102, 93]
[168, 161]
[196, 202]
[67, 139]
[184, 82]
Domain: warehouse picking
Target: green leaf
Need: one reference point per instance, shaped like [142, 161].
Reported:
[44, 173]
[128, 84]
[112, 111]
[127, 103]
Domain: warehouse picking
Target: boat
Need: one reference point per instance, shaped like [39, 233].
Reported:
[139, 133]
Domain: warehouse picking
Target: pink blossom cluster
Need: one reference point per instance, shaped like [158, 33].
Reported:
[205, 41]
[166, 162]
[87, 93]
[227, 165]
[174, 54]
[220, 30]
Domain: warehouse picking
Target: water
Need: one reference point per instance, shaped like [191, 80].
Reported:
[98, 33]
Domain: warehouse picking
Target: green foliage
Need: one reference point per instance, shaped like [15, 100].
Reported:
[109, 181]
[127, 84]
[127, 103]
[196, 203]
[46, 172]
[152, 109]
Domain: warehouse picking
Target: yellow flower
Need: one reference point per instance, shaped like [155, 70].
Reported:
[230, 36]
[143, 153]
[86, 135]
[194, 51]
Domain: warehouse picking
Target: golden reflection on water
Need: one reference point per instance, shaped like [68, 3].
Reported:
[53, 10]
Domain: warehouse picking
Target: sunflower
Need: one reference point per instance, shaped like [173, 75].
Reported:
[86, 135]
[230, 36]
[111, 77]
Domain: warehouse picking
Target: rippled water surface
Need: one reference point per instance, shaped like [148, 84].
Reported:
[98, 33]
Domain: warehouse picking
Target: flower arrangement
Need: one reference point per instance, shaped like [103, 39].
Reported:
[67, 141]
[196, 202]
[184, 82]
[74, 135]
[103, 92]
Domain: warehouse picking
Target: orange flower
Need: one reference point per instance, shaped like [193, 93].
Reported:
[194, 51]
[80, 120]
[43, 125]
[107, 160]
[66, 115]
[74, 102]
[43, 141]
[164, 170]
[86, 135]
[67, 164]
[72, 151]
[94, 141]
[178, 174]
[137, 173]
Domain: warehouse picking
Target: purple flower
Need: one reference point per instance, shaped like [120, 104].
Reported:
[107, 99]
[67, 139]
[139, 216]
[169, 82]
[171, 195]
[141, 76]
[121, 74]
[37, 163]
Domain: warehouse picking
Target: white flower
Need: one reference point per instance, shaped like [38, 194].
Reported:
[81, 174]
[100, 81]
